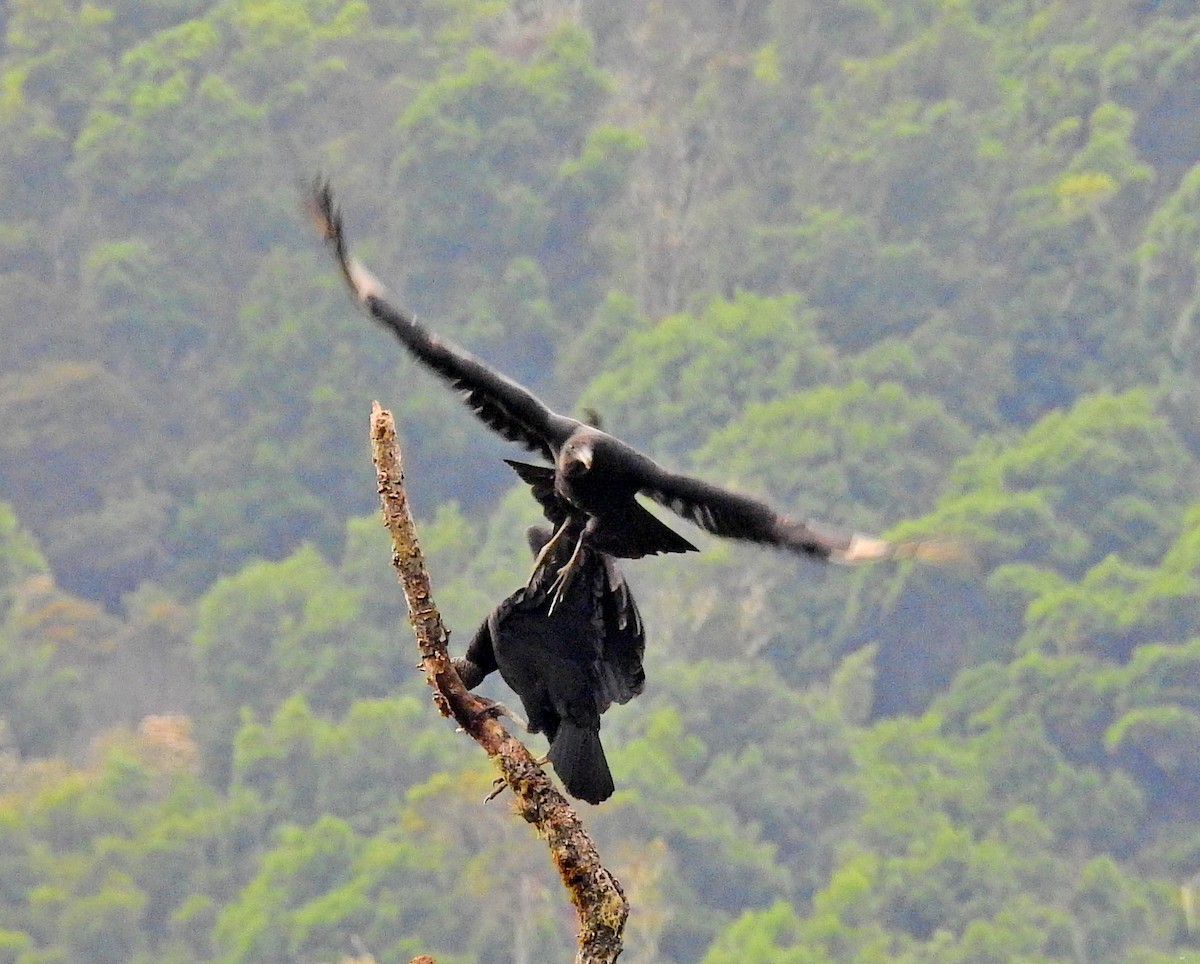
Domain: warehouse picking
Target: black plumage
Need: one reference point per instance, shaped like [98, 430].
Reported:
[596, 476]
[568, 660]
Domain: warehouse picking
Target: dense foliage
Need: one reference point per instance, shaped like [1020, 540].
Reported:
[921, 265]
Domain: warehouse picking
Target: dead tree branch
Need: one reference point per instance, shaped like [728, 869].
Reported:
[599, 901]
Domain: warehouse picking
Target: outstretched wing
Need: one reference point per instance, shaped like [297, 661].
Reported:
[506, 407]
[737, 516]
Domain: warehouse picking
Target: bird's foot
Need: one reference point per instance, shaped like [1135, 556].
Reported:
[500, 783]
[544, 554]
[565, 575]
[494, 709]
[498, 786]
[557, 588]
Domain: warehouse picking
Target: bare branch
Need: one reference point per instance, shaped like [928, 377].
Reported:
[599, 901]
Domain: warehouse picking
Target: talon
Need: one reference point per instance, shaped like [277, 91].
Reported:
[565, 575]
[542, 556]
[556, 589]
[492, 708]
[495, 709]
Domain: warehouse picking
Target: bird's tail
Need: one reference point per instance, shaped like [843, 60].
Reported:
[631, 532]
[579, 761]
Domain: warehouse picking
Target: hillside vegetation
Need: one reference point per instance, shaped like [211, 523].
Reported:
[916, 267]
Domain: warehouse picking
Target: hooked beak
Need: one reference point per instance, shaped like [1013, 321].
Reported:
[580, 460]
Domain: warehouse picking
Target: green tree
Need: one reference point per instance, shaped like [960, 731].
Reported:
[275, 630]
[672, 384]
[303, 766]
[508, 152]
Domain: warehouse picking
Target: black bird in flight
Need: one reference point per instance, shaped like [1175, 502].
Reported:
[597, 475]
[568, 660]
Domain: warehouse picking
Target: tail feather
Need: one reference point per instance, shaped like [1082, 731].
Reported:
[579, 761]
[632, 532]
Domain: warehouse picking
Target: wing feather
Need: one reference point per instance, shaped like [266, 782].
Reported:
[619, 670]
[503, 405]
[737, 516]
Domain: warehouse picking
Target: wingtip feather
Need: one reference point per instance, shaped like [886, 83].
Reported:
[366, 286]
[941, 551]
[863, 549]
[870, 549]
[328, 219]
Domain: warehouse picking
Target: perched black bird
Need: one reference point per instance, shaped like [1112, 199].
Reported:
[595, 474]
[568, 660]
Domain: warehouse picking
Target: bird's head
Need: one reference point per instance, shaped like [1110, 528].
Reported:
[576, 456]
